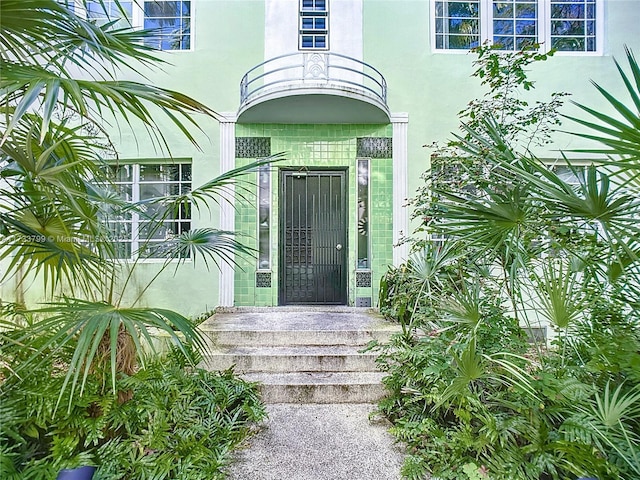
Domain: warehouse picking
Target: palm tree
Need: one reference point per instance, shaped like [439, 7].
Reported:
[559, 251]
[52, 153]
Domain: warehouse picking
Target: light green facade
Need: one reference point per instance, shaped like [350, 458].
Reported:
[232, 36]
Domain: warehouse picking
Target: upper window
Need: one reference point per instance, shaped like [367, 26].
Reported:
[573, 25]
[168, 20]
[565, 25]
[108, 11]
[144, 232]
[171, 21]
[314, 25]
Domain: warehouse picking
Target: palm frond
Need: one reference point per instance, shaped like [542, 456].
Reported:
[87, 323]
[619, 134]
[50, 217]
[464, 308]
[559, 298]
[209, 244]
[611, 416]
[29, 86]
[59, 36]
[469, 366]
[216, 190]
[425, 264]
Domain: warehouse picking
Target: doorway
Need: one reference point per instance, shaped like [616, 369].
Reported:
[313, 237]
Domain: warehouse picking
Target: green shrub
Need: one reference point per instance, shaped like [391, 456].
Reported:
[180, 423]
[517, 244]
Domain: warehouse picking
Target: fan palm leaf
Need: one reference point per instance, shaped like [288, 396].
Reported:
[63, 43]
[606, 208]
[611, 416]
[50, 216]
[619, 134]
[227, 187]
[26, 87]
[207, 243]
[426, 264]
[28, 26]
[464, 308]
[88, 324]
[559, 297]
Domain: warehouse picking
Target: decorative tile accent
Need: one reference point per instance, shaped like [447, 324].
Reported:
[363, 279]
[263, 279]
[374, 147]
[363, 301]
[253, 147]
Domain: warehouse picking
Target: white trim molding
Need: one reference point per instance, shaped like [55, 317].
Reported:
[400, 122]
[227, 212]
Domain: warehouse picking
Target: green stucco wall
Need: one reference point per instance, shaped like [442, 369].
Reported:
[434, 86]
[430, 87]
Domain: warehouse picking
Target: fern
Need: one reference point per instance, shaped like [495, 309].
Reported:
[180, 423]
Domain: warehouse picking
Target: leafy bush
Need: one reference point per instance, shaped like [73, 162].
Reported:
[181, 422]
[511, 244]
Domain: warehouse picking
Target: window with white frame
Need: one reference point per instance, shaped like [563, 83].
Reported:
[564, 25]
[109, 11]
[169, 20]
[144, 231]
[314, 25]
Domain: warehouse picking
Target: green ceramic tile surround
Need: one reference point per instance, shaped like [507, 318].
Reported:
[316, 146]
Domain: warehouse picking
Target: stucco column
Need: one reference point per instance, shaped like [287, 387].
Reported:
[400, 122]
[227, 213]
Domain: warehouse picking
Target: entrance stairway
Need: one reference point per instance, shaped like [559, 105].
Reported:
[300, 354]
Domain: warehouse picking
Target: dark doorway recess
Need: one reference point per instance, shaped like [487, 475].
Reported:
[313, 237]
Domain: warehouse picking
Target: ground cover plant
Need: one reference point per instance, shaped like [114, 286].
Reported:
[506, 244]
[78, 361]
[181, 422]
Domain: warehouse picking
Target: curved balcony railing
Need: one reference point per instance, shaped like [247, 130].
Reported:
[313, 70]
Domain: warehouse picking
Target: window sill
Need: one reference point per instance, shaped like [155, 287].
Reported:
[153, 261]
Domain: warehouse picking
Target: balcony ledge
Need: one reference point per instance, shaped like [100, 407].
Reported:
[313, 88]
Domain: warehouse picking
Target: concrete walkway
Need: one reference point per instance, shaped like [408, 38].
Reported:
[319, 442]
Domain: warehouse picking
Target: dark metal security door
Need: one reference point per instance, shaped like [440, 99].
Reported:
[313, 234]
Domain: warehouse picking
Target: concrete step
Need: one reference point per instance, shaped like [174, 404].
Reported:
[217, 338]
[282, 327]
[292, 359]
[319, 387]
[300, 355]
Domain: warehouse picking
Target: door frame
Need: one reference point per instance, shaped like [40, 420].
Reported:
[282, 174]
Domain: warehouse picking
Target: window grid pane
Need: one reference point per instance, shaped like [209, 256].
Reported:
[313, 5]
[566, 25]
[573, 25]
[109, 12]
[314, 25]
[146, 232]
[457, 24]
[515, 23]
[171, 22]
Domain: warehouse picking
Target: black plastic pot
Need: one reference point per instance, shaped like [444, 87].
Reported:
[80, 473]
